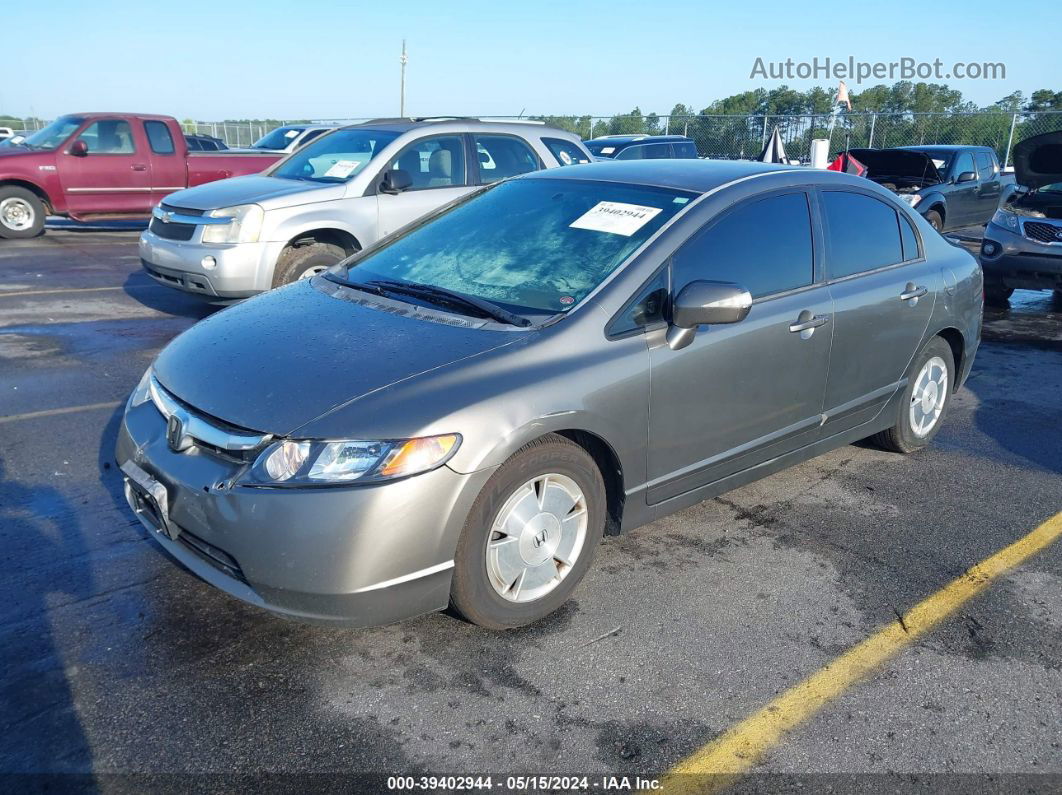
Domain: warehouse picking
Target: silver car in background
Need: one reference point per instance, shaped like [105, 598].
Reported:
[458, 415]
[339, 194]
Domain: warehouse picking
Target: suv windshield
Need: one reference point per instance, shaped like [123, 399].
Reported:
[533, 245]
[54, 134]
[278, 138]
[335, 157]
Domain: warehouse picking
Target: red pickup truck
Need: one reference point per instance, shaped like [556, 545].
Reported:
[92, 166]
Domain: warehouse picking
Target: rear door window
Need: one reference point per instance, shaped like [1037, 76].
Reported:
[502, 156]
[159, 138]
[566, 152]
[685, 149]
[764, 245]
[862, 233]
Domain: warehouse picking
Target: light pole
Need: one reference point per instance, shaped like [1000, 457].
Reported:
[404, 59]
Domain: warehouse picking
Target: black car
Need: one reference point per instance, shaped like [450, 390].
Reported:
[204, 143]
[641, 147]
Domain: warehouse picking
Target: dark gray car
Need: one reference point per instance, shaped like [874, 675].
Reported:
[459, 413]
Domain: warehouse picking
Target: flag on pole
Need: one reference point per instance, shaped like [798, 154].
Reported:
[842, 96]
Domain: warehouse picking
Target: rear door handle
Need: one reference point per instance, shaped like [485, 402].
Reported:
[912, 292]
[138, 167]
[805, 325]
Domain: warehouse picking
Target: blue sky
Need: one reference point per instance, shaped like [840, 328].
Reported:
[321, 59]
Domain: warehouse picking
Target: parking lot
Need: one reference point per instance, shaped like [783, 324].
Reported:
[117, 661]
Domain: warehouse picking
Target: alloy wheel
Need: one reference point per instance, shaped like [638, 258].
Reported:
[928, 396]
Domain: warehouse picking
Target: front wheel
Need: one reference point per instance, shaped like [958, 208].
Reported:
[935, 220]
[925, 400]
[530, 535]
[21, 213]
[302, 262]
[997, 294]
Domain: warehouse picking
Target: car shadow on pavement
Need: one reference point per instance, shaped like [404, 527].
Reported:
[142, 288]
[39, 722]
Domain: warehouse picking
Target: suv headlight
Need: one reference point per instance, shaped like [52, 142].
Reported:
[302, 462]
[244, 227]
[1005, 219]
[910, 198]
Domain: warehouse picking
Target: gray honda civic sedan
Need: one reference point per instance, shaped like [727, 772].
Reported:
[457, 415]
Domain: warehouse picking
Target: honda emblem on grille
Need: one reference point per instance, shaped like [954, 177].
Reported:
[175, 435]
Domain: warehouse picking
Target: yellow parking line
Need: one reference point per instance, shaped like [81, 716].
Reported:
[714, 766]
[32, 415]
[5, 293]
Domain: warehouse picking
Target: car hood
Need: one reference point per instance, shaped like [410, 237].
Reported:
[9, 150]
[253, 189]
[1038, 160]
[284, 358]
[896, 163]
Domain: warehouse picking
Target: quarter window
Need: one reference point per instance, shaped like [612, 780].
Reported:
[647, 309]
[502, 156]
[764, 246]
[862, 231]
[434, 162]
[908, 239]
[108, 137]
[566, 152]
[159, 137]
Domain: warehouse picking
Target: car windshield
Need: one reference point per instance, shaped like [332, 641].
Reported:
[278, 138]
[601, 148]
[335, 157]
[531, 245]
[54, 134]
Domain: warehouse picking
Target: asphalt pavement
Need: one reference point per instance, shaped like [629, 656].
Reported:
[116, 661]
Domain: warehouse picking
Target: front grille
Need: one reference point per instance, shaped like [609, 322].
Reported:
[1043, 233]
[172, 231]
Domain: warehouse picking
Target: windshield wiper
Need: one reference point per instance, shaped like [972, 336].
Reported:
[442, 295]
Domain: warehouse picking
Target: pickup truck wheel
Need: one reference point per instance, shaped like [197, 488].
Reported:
[21, 213]
[925, 400]
[302, 262]
[935, 220]
[530, 535]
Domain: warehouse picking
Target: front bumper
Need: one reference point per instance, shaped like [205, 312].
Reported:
[1010, 259]
[242, 269]
[355, 556]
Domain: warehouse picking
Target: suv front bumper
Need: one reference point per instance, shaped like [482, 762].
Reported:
[1010, 259]
[240, 270]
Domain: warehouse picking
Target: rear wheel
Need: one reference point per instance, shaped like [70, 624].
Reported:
[302, 262]
[21, 213]
[925, 400]
[935, 219]
[530, 535]
[997, 294]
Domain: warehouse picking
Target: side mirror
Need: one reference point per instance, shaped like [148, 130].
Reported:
[705, 303]
[967, 176]
[395, 181]
[79, 148]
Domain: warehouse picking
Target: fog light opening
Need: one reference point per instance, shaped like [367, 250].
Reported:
[209, 263]
[989, 249]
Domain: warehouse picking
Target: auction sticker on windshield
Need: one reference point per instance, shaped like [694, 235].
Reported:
[615, 218]
[342, 168]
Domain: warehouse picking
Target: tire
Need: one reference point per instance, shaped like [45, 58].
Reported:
[997, 294]
[22, 214]
[297, 262]
[921, 400]
[935, 220]
[485, 561]
[1056, 296]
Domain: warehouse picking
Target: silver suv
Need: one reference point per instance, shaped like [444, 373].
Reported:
[237, 237]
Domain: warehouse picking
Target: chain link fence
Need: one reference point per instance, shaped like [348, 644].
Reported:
[743, 137]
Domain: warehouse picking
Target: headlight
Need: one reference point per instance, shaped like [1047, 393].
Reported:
[245, 226]
[142, 392]
[300, 462]
[1005, 219]
[910, 198]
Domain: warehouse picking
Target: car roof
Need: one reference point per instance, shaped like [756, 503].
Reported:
[461, 123]
[698, 176]
[941, 147]
[107, 114]
[641, 138]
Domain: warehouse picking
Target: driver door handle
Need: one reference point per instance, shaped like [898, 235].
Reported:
[815, 322]
[912, 292]
[138, 167]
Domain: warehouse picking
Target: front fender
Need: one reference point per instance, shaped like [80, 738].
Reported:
[931, 200]
[356, 218]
